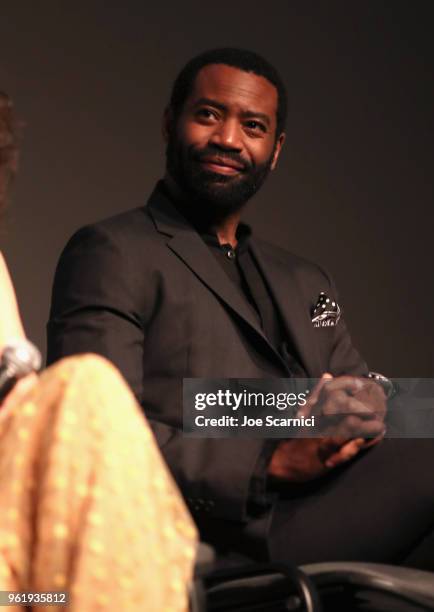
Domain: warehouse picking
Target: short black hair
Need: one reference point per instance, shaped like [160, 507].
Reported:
[237, 58]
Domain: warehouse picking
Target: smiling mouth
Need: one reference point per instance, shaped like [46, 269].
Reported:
[220, 166]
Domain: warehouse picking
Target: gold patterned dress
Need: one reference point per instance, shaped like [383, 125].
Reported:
[87, 504]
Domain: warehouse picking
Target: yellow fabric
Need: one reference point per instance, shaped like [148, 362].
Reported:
[86, 503]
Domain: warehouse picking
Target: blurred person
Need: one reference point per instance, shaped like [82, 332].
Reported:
[87, 505]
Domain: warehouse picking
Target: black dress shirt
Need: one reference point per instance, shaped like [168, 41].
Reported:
[239, 264]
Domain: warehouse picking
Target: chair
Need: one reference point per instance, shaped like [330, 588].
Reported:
[311, 588]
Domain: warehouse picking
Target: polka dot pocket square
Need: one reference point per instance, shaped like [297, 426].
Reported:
[326, 312]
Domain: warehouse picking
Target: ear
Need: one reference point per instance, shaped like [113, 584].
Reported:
[167, 123]
[277, 148]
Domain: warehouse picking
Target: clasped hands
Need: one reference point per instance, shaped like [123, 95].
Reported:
[354, 407]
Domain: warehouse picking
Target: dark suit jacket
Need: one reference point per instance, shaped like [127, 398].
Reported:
[143, 289]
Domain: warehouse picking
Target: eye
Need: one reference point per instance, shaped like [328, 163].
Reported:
[255, 126]
[205, 114]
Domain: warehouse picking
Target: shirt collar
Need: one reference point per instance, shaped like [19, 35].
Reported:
[243, 235]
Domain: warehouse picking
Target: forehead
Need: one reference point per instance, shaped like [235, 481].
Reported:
[235, 88]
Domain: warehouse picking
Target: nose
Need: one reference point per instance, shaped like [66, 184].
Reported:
[227, 135]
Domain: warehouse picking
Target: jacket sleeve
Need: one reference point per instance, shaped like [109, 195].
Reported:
[94, 305]
[100, 303]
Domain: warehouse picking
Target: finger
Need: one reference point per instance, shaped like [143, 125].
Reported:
[345, 453]
[314, 395]
[373, 395]
[350, 384]
[374, 441]
[353, 427]
[372, 388]
[348, 452]
[330, 446]
[334, 403]
[340, 403]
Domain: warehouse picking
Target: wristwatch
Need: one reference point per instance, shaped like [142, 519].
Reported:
[385, 383]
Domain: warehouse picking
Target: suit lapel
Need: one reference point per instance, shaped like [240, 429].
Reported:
[195, 254]
[186, 243]
[295, 316]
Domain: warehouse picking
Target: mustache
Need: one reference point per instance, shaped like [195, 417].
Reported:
[226, 156]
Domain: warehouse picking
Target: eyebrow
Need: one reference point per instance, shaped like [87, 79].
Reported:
[245, 114]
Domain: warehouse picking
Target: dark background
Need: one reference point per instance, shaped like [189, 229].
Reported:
[353, 189]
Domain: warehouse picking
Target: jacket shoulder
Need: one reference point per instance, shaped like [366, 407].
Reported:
[122, 231]
[128, 223]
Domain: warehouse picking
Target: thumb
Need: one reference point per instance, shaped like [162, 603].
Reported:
[314, 395]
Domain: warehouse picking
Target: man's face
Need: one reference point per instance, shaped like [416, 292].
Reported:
[223, 144]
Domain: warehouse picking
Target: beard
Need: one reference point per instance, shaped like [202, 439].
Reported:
[210, 196]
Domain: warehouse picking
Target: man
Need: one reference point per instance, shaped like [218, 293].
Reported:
[180, 289]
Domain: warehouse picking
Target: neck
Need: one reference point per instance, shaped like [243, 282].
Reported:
[225, 228]
[11, 327]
